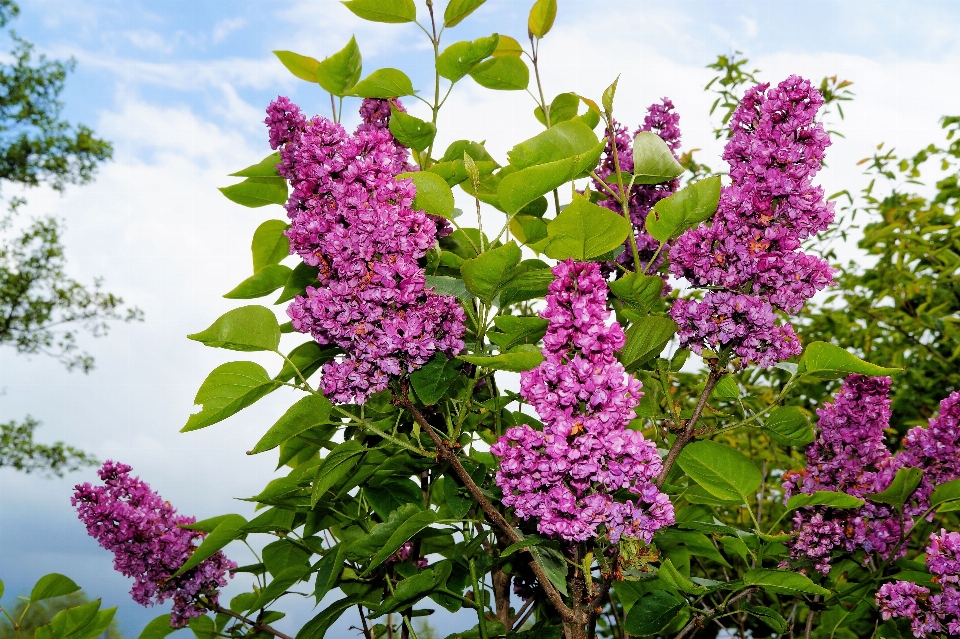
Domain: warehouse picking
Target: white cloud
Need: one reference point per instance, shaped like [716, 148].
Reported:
[749, 26]
[225, 27]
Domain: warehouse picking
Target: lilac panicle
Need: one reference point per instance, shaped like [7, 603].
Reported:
[929, 614]
[935, 449]
[143, 533]
[751, 248]
[849, 456]
[662, 120]
[355, 222]
[565, 474]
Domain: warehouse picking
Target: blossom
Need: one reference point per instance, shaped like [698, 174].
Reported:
[751, 248]
[928, 614]
[662, 120]
[143, 532]
[849, 456]
[935, 449]
[565, 474]
[355, 222]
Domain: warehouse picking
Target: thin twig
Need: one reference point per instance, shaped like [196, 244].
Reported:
[446, 453]
[259, 626]
[685, 436]
[698, 620]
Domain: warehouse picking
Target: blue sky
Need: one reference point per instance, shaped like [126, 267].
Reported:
[180, 87]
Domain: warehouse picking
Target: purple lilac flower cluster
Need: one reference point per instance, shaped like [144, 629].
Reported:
[566, 474]
[849, 455]
[143, 533]
[935, 449]
[353, 220]
[751, 249]
[662, 120]
[929, 614]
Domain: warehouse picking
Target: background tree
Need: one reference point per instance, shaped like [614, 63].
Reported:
[42, 310]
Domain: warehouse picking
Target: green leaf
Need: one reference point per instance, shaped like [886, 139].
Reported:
[255, 192]
[646, 339]
[270, 244]
[528, 230]
[899, 491]
[684, 209]
[584, 230]
[502, 73]
[457, 10]
[302, 66]
[334, 467]
[307, 357]
[789, 426]
[389, 11]
[263, 282]
[519, 188]
[411, 131]
[946, 492]
[525, 286]
[542, 15]
[824, 498]
[205, 525]
[608, 94]
[783, 582]
[367, 545]
[340, 72]
[302, 276]
[554, 565]
[454, 286]
[514, 361]
[652, 612]
[826, 361]
[724, 472]
[328, 570]
[81, 622]
[390, 495]
[230, 388]
[307, 413]
[485, 274]
[317, 627]
[563, 107]
[517, 330]
[653, 161]
[282, 554]
[669, 574]
[410, 527]
[526, 542]
[726, 389]
[267, 168]
[638, 290]
[433, 380]
[565, 140]
[406, 593]
[433, 193]
[158, 628]
[769, 616]
[460, 58]
[52, 585]
[384, 83]
[508, 47]
[248, 328]
[1, 589]
[226, 531]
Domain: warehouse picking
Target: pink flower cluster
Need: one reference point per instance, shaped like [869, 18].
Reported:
[353, 220]
[849, 455]
[566, 474]
[662, 120]
[929, 614]
[750, 251]
[143, 533]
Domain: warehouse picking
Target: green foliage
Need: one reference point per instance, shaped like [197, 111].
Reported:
[19, 451]
[56, 609]
[340, 72]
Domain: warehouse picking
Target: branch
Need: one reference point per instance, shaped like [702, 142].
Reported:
[687, 434]
[446, 453]
[259, 626]
[698, 620]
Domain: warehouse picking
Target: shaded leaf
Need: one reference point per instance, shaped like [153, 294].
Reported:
[502, 73]
[270, 244]
[652, 612]
[302, 276]
[789, 426]
[384, 83]
[724, 472]
[515, 361]
[485, 274]
[339, 72]
[433, 380]
[255, 192]
[826, 361]
[783, 582]
[334, 467]
[457, 10]
[229, 529]
[684, 209]
[52, 585]
[899, 491]
[263, 282]
[824, 498]
[389, 11]
[302, 66]
[267, 167]
[433, 193]
[653, 161]
[646, 339]
[412, 132]
[460, 58]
